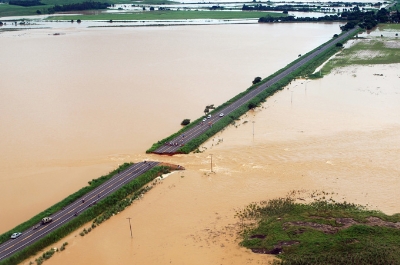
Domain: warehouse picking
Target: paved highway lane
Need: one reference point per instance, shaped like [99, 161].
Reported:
[172, 147]
[68, 213]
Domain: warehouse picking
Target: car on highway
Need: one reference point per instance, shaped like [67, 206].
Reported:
[15, 235]
[46, 220]
[221, 114]
[209, 116]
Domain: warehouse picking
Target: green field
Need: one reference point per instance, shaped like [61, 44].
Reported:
[7, 10]
[12, 10]
[320, 232]
[372, 50]
[168, 15]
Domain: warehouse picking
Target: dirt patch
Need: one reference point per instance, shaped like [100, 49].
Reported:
[172, 166]
[258, 236]
[344, 222]
[278, 248]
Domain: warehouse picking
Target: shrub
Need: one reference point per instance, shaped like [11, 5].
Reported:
[256, 80]
[185, 122]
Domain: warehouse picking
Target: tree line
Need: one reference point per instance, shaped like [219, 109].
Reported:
[366, 20]
[79, 6]
[25, 3]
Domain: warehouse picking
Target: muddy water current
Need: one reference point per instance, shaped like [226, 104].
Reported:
[75, 106]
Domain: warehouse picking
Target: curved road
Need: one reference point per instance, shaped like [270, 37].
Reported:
[68, 213]
[172, 147]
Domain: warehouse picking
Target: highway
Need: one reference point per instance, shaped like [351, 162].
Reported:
[172, 147]
[68, 213]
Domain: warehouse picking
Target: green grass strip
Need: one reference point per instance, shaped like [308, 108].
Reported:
[65, 202]
[86, 216]
[166, 15]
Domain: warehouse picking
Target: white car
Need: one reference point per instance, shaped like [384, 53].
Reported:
[15, 235]
[209, 117]
[221, 114]
[204, 119]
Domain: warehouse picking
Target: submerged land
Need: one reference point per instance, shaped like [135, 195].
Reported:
[294, 147]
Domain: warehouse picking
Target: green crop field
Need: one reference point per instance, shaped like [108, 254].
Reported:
[168, 15]
[13, 10]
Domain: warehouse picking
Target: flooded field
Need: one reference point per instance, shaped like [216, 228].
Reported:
[76, 105]
[84, 102]
[340, 134]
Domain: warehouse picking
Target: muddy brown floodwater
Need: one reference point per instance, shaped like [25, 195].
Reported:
[76, 105]
[97, 98]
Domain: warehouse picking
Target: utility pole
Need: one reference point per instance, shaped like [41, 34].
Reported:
[291, 98]
[211, 162]
[130, 227]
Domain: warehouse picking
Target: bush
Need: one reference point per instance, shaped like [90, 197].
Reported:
[185, 122]
[256, 80]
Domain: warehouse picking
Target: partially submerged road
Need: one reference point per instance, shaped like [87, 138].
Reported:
[74, 209]
[173, 146]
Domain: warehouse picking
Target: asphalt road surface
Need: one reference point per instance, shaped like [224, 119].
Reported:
[68, 213]
[171, 147]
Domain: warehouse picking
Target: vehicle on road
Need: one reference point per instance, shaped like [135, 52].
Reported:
[15, 235]
[204, 119]
[46, 220]
[221, 114]
[209, 116]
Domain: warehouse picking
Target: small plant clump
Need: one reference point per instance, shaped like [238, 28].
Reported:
[62, 248]
[46, 255]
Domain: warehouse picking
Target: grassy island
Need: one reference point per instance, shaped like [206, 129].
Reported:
[321, 231]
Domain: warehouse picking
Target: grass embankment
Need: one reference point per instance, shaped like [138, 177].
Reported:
[166, 15]
[88, 215]
[303, 71]
[368, 51]
[321, 232]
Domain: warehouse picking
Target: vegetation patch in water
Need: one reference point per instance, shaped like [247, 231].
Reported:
[383, 49]
[322, 231]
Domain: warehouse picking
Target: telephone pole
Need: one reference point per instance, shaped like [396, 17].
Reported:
[211, 162]
[130, 227]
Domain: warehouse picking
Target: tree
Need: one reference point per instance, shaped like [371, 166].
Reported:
[257, 80]
[144, 9]
[38, 12]
[185, 122]
[335, 35]
[206, 110]
[79, 21]
[151, 8]
[339, 44]
[252, 105]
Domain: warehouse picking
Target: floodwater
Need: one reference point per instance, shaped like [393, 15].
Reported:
[83, 102]
[340, 134]
[76, 105]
